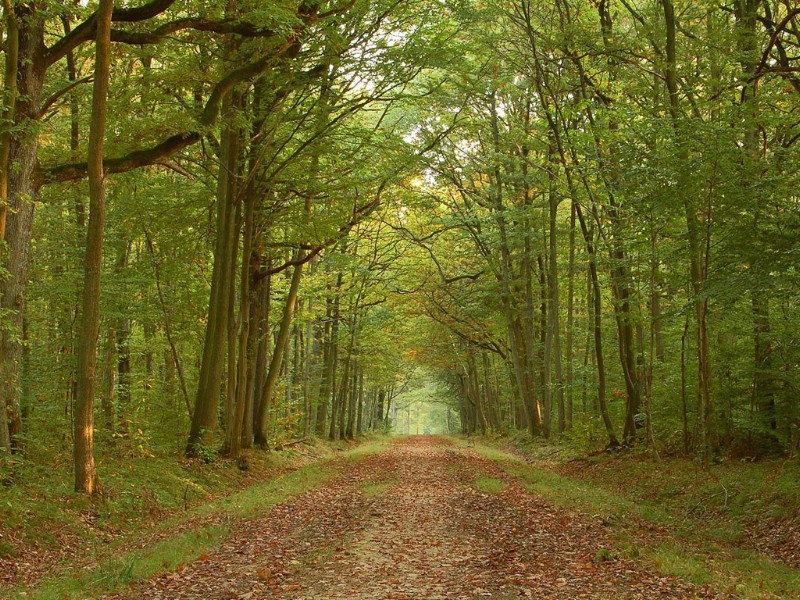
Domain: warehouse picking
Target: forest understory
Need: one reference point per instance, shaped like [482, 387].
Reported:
[426, 517]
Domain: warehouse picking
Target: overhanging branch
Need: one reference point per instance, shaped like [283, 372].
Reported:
[133, 160]
[86, 31]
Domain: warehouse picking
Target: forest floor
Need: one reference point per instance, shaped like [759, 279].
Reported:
[426, 519]
[429, 518]
[733, 526]
[154, 513]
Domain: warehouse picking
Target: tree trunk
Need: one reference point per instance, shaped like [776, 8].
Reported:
[697, 270]
[233, 435]
[262, 418]
[86, 479]
[262, 353]
[109, 381]
[23, 190]
[571, 317]
[553, 342]
[323, 397]
[597, 310]
[360, 404]
[7, 118]
[335, 357]
[123, 330]
[204, 419]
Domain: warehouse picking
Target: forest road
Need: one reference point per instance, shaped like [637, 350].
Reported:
[412, 522]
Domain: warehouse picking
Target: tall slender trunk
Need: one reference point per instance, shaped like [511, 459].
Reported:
[264, 341]
[570, 318]
[233, 435]
[175, 363]
[231, 330]
[764, 384]
[597, 310]
[323, 397]
[262, 418]
[553, 380]
[531, 410]
[335, 357]
[109, 381]
[123, 330]
[86, 479]
[8, 110]
[697, 270]
[360, 403]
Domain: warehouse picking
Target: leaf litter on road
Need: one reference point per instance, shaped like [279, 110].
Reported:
[429, 534]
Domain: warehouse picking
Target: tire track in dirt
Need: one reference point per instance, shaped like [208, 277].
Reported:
[409, 523]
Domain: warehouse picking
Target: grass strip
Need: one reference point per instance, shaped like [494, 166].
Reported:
[111, 573]
[679, 549]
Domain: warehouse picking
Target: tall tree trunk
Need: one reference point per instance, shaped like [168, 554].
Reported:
[257, 313]
[597, 310]
[7, 117]
[204, 418]
[86, 479]
[232, 330]
[233, 435]
[123, 330]
[570, 317]
[360, 403]
[174, 365]
[332, 431]
[697, 270]
[764, 385]
[530, 407]
[553, 342]
[23, 190]
[262, 418]
[109, 380]
[323, 397]
[149, 335]
[264, 340]
[352, 404]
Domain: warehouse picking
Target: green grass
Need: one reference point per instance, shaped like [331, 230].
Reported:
[373, 489]
[702, 526]
[488, 485]
[206, 526]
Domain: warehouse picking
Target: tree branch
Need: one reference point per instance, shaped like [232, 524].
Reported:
[133, 160]
[61, 93]
[225, 26]
[85, 32]
[358, 216]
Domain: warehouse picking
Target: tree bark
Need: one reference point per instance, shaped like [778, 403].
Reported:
[204, 418]
[233, 435]
[86, 479]
[23, 190]
[697, 271]
[262, 418]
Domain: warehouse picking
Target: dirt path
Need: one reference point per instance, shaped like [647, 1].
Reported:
[410, 523]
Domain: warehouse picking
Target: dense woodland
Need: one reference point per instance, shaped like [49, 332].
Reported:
[229, 225]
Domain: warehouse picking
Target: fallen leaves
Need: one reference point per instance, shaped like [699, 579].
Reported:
[428, 535]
